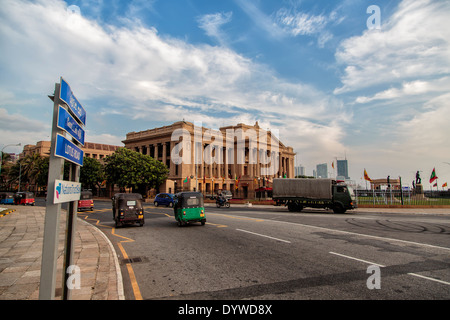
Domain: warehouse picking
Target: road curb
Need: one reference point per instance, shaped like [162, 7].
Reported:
[120, 290]
[7, 212]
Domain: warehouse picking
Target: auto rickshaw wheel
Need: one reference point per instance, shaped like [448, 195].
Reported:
[203, 222]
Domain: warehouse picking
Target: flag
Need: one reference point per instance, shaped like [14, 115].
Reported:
[332, 164]
[186, 180]
[444, 185]
[236, 182]
[435, 185]
[433, 176]
[366, 176]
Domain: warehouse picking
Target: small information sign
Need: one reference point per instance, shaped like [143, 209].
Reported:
[66, 191]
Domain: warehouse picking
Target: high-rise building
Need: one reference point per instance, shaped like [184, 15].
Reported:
[322, 170]
[342, 169]
[299, 171]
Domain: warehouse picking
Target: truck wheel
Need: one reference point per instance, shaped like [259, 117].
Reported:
[338, 208]
[292, 207]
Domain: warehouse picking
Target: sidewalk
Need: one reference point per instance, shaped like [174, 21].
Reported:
[21, 236]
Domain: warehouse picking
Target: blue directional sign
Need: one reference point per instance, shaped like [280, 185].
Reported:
[67, 123]
[66, 95]
[68, 150]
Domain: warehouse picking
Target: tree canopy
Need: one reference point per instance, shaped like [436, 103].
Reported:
[91, 173]
[131, 169]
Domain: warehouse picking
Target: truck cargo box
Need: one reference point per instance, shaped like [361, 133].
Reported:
[302, 188]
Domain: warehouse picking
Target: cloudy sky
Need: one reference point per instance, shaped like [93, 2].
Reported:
[317, 71]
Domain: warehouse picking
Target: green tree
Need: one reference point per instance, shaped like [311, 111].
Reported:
[91, 173]
[131, 169]
[33, 169]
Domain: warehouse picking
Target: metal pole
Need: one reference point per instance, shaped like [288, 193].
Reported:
[70, 234]
[51, 226]
[20, 174]
[401, 189]
[373, 194]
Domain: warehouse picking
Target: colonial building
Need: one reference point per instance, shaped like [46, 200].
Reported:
[91, 150]
[239, 158]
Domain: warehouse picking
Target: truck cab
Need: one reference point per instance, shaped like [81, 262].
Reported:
[343, 198]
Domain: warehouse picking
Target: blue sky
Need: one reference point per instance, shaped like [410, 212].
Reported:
[311, 69]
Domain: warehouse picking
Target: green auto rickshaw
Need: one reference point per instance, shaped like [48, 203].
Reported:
[188, 208]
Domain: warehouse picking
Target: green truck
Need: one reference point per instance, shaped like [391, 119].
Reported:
[297, 194]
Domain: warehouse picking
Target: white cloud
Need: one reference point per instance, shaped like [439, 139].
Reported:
[260, 19]
[412, 88]
[105, 138]
[296, 23]
[400, 76]
[18, 128]
[134, 72]
[413, 43]
[428, 131]
[212, 23]
[300, 23]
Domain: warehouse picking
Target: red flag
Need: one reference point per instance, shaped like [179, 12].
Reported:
[433, 176]
[366, 176]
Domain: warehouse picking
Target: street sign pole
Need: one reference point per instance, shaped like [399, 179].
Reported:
[53, 212]
[59, 191]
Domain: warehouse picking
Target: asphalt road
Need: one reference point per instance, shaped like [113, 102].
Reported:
[270, 253]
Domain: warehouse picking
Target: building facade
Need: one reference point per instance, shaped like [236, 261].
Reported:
[239, 158]
[91, 150]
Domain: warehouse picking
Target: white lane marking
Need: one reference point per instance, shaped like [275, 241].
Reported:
[351, 233]
[366, 235]
[353, 258]
[380, 265]
[428, 278]
[263, 235]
